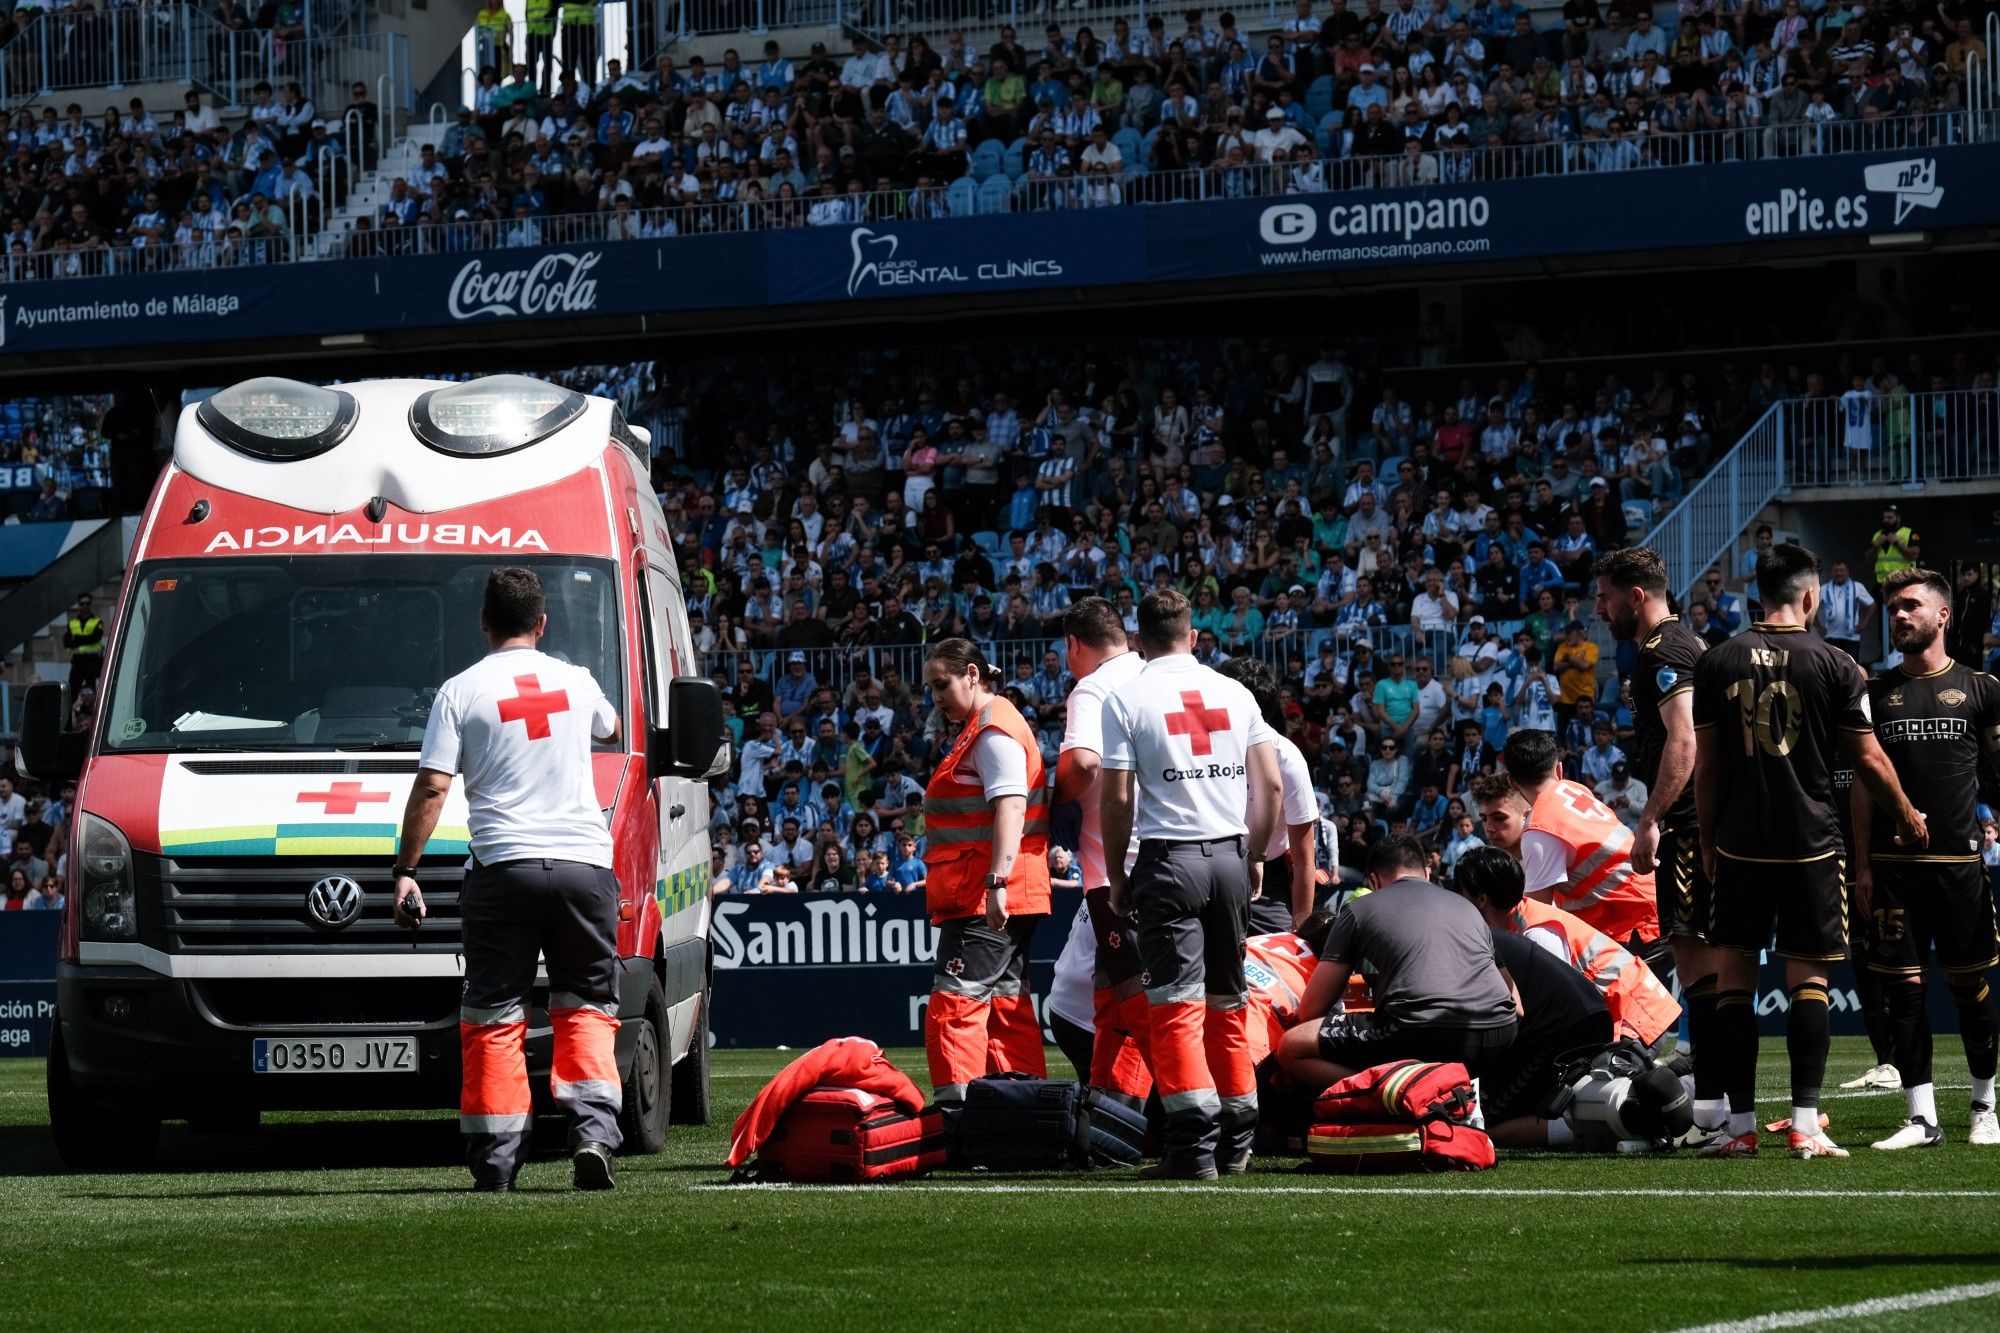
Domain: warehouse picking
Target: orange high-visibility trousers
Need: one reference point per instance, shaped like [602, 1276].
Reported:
[512, 913]
[980, 1018]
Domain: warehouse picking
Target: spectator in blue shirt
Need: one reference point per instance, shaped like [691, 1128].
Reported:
[1538, 572]
[795, 688]
[1429, 810]
[1365, 94]
[908, 874]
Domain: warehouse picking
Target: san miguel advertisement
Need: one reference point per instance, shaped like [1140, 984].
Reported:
[797, 969]
[1604, 212]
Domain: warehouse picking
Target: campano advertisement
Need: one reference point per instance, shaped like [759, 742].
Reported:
[1790, 197]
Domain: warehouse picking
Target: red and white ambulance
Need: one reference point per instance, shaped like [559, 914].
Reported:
[308, 571]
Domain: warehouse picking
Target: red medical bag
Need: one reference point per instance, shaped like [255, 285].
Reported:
[847, 1136]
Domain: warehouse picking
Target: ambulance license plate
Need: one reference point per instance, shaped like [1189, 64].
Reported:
[333, 1055]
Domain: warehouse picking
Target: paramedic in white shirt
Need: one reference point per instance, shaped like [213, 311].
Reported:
[519, 725]
[1098, 971]
[1290, 860]
[1191, 767]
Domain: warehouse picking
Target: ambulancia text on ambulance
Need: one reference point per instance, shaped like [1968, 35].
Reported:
[308, 571]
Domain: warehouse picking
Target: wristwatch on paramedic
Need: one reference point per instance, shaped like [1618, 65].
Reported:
[994, 882]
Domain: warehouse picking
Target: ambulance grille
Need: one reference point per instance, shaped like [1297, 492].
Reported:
[332, 1001]
[241, 905]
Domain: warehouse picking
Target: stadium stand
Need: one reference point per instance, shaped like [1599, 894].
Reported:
[1098, 109]
[1375, 536]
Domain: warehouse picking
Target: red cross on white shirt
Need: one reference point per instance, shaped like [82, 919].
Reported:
[532, 706]
[1196, 721]
[343, 798]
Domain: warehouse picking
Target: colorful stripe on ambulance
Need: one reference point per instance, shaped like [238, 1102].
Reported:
[313, 839]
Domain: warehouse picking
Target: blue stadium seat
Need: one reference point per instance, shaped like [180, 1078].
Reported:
[962, 197]
[1130, 144]
[1387, 467]
[1013, 162]
[986, 161]
[1327, 136]
[1019, 145]
[1146, 142]
[1638, 517]
[995, 194]
[1319, 97]
[989, 542]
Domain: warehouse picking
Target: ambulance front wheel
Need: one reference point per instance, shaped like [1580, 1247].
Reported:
[644, 1118]
[691, 1105]
[91, 1136]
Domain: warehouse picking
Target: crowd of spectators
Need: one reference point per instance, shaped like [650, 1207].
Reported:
[1336, 97]
[55, 457]
[36, 843]
[138, 190]
[1418, 570]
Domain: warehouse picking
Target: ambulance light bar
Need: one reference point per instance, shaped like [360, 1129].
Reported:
[496, 415]
[278, 420]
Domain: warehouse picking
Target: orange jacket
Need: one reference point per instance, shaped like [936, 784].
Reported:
[1277, 968]
[958, 828]
[844, 1062]
[1640, 1006]
[1601, 887]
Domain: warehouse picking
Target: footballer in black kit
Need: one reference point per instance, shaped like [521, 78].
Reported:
[1777, 709]
[1664, 669]
[1936, 720]
[1934, 728]
[1777, 696]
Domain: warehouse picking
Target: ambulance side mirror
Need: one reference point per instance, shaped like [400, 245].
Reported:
[50, 751]
[695, 742]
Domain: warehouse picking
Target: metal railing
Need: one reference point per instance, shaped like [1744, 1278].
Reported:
[1705, 525]
[1867, 438]
[838, 667]
[181, 43]
[750, 210]
[670, 21]
[1979, 80]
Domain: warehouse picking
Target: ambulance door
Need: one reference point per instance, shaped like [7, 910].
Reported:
[683, 802]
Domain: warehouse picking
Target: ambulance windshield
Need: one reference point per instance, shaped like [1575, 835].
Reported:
[324, 652]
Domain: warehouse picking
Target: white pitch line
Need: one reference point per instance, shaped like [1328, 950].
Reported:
[1785, 1099]
[1881, 1305]
[1336, 1186]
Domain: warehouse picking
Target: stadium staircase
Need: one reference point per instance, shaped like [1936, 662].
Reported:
[1709, 521]
[373, 188]
[33, 612]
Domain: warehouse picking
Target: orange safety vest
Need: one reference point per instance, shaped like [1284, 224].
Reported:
[1639, 1004]
[958, 828]
[1601, 887]
[1277, 968]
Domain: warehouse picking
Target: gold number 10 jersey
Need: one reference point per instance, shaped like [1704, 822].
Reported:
[1777, 699]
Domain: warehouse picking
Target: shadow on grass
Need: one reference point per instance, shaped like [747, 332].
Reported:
[28, 1150]
[1816, 1263]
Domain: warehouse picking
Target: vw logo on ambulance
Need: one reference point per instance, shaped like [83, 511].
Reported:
[334, 902]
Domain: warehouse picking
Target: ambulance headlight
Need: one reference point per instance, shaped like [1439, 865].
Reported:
[279, 420]
[492, 416]
[109, 899]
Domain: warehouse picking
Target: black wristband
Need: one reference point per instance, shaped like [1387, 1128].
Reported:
[400, 871]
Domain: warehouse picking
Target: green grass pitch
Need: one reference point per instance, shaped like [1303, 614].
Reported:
[364, 1222]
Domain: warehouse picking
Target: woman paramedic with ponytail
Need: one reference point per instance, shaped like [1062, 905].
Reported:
[986, 820]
